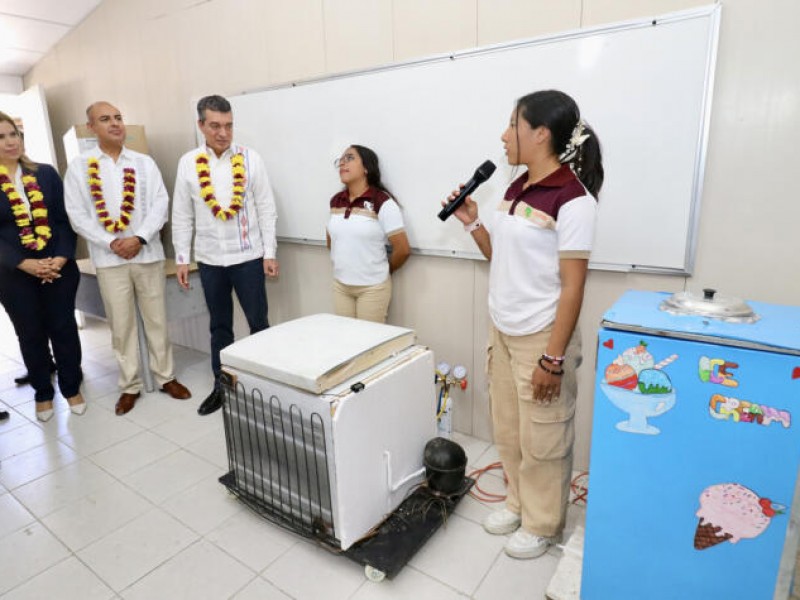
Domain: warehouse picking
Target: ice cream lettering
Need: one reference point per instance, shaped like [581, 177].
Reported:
[730, 512]
[716, 370]
[741, 411]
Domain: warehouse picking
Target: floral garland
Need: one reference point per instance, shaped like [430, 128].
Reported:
[207, 189]
[32, 237]
[128, 197]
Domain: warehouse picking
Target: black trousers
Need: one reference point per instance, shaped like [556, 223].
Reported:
[219, 283]
[43, 314]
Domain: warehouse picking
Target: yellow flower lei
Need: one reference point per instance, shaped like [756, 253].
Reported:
[128, 197]
[32, 237]
[207, 189]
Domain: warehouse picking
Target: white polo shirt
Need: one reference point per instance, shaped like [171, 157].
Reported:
[359, 232]
[531, 230]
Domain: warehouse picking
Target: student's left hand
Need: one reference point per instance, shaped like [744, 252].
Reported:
[546, 387]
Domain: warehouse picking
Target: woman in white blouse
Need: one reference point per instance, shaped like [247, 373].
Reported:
[364, 219]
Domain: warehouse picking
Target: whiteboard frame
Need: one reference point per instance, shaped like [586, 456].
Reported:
[712, 11]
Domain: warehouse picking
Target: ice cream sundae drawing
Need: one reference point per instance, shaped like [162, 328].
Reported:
[637, 385]
[730, 512]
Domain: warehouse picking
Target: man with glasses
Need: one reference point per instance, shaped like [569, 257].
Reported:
[223, 197]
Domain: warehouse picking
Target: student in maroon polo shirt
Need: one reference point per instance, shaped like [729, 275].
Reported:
[364, 217]
[538, 240]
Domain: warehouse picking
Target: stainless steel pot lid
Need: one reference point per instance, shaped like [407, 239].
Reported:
[710, 304]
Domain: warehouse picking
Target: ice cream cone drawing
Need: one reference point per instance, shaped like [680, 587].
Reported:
[730, 512]
[707, 535]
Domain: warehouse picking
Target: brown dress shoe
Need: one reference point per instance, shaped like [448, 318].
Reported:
[125, 403]
[176, 390]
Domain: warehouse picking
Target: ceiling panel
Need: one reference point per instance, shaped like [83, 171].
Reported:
[65, 12]
[30, 28]
[28, 34]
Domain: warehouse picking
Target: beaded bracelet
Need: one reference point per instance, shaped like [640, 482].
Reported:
[546, 370]
[554, 360]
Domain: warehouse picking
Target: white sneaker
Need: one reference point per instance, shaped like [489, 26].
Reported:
[527, 545]
[501, 522]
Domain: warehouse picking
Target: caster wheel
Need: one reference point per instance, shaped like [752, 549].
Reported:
[374, 574]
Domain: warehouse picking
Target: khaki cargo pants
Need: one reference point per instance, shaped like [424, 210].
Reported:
[534, 440]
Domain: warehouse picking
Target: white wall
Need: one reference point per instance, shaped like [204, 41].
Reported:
[10, 84]
[151, 57]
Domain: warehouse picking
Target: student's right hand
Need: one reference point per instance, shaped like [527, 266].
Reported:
[182, 273]
[468, 211]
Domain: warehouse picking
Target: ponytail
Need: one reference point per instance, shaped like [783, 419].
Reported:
[588, 163]
[573, 141]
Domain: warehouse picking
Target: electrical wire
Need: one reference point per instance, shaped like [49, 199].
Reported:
[579, 486]
[481, 494]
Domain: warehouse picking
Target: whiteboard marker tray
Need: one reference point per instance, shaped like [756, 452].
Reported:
[317, 352]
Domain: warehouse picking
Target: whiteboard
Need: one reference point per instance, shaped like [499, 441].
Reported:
[645, 86]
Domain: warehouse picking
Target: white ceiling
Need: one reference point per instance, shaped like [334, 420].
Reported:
[29, 28]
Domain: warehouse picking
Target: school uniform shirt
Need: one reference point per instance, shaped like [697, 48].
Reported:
[150, 205]
[531, 230]
[359, 231]
[247, 236]
[63, 240]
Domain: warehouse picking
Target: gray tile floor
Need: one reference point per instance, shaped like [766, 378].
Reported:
[100, 506]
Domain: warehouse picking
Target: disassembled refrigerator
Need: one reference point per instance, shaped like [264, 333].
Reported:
[326, 419]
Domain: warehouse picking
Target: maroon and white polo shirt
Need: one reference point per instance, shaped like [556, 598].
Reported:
[359, 232]
[531, 230]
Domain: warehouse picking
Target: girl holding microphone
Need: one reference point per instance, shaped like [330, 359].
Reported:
[538, 241]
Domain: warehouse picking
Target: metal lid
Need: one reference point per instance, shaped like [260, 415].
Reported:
[710, 304]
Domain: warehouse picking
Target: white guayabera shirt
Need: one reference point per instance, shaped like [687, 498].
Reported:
[247, 236]
[151, 205]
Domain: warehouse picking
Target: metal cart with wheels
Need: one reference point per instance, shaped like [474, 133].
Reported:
[389, 546]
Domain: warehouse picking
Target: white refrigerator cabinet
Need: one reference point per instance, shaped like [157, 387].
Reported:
[328, 462]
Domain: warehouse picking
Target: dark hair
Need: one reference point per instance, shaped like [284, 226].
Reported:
[560, 114]
[215, 103]
[371, 165]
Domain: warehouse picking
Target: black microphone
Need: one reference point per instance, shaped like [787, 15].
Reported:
[482, 173]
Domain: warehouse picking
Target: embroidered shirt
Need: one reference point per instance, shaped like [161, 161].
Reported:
[531, 230]
[249, 235]
[359, 232]
[151, 205]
